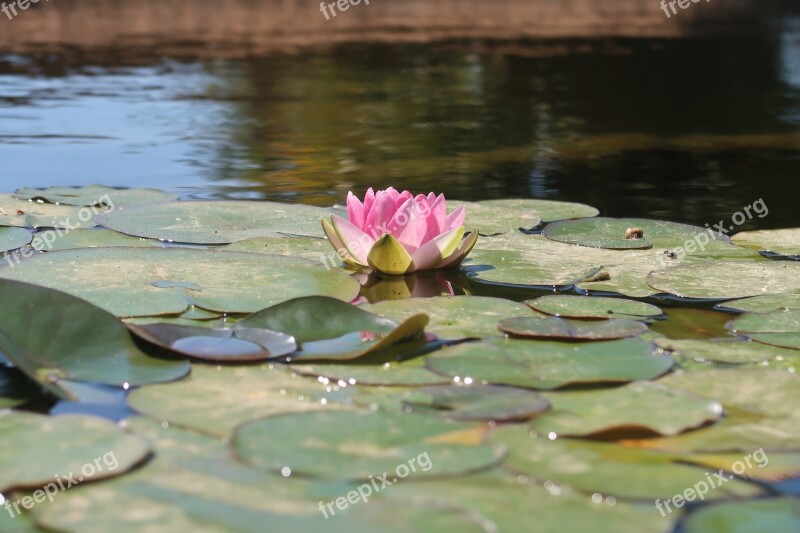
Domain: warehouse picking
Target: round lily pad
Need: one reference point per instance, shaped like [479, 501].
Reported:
[622, 233]
[728, 279]
[27, 460]
[559, 328]
[152, 281]
[722, 350]
[496, 219]
[763, 304]
[220, 222]
[453, 317]
[306, 247]
[608, 469]
[770, 515]
[550, 364]
[778, 241]
[567, 306]
[547, 210]
[90, 195]
[51, 241]
[13, 238]
[637, 406]
[362, 445]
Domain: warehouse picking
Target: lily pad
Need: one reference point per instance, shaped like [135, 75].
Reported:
[361, 445]
[497, 219]
[214, 400]
[778, 328]
[150, 281]
[778, 241]
[51, 335]
[728, 279]
[547, 210]
[723, 350]
[559, 328]
[326, 328]
[550, 364]
[89, 195]
[51, 241]
[27, 460]
[764, 304]
[770, 515]
[220, 222]
[608, 469]
[637, 406]
[622, 233]
[13, 238]
[566, 306]
[221, 345]
[305, 247]
[454, 317]
[26, 214]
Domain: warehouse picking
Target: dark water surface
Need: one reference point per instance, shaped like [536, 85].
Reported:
[689, 130]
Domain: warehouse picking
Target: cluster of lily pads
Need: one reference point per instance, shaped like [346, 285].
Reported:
[244, 380]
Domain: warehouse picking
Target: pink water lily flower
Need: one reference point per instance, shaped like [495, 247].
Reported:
[398, 233]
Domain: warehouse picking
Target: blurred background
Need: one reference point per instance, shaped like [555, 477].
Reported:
[689, 117]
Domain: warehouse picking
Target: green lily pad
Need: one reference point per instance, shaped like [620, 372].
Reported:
[51, 241]
[559, 328]
[728, 279]
[453, 317]
[778, 241]
[764, 304]
[89, 195]
[82, 342]
[27, 460]
[361, 445]
[26, 214]
[550, 364]
[305, 247]
[220, 222]
[14, 523]
[15, 389]
[566, 306]
[220, 345]
[214, 400]
[499, 218]
[770, 515]
[13, 238]
[723, 350]
[622, 233]
[608, 469]
[151, 281]
[778, 328]
[326, 328]
[547, 210]
[636, 406]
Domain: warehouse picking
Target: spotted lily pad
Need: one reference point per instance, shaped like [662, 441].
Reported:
[151, 281]
[770, 515]
[550, 364]
[559, 328]
[27, 460]
[13, 238]
[223, 345]
[637, 406]
[454, 317]
[778, 328]
[361, 445]
[608, 469]
[82, 342]
[51, 240]
[764, 304]
[722, 350]
[777, 241]
[566, 306]
[90, 195]
[326, 328]
[220, 222]
[622, 233]
[728, 279]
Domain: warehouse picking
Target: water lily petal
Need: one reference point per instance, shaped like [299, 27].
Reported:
[437, 214]
[405, 195]
[455, 219]
[337, 243]
[355, 210]
[408, 227]
[431, 254]
[464, 248]
[369, 200]
[356, 241]
[384, 208]
[389, 256]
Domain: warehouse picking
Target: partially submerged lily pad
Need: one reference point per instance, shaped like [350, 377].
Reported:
[360, 445]
[559, 328]
[151, 281]
[220, 222]
[93, 195]
[778, 241]
[550, 364]
[566, 306]
[638, 406]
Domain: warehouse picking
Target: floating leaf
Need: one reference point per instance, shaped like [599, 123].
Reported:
[222, 345]
[636, 406]
[306, 247]
[550, 364]
[559, 328]
[220, 222]
[728, 350]
[763, 304]
[92, 195]
[51, 335]
[30, 460]
[508, 215]
[547, 210]
[151, 281]
[13, 238]
[26, 214]
[605, 468]
[778, 328]
[755, 465]
[453, 317]
[359, 445]
[566, 306]
[622, 233]
[777, 241]
[51, 241]
[771, 515]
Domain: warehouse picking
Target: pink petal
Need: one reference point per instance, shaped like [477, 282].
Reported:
[436, 218]
[408, 227]
[431, 254]
[401, 199]
[455, 219]
[356, 241]
[355, 210]
[376, 222]
[432, 197]
[369, 199]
